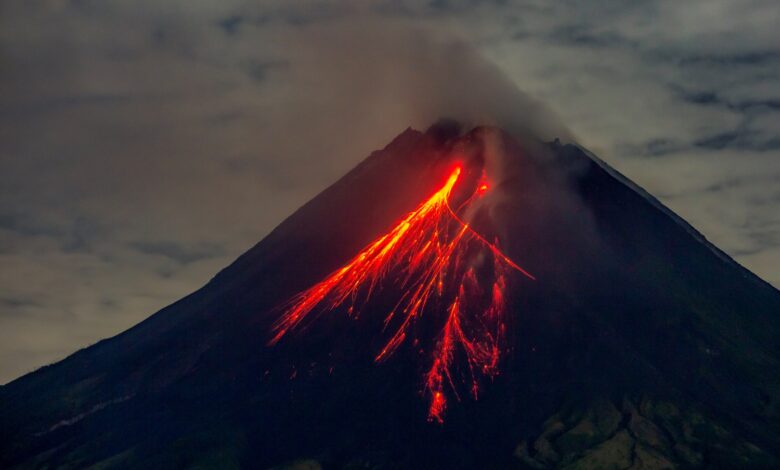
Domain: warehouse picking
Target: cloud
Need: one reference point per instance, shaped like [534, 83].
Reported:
[180, 253]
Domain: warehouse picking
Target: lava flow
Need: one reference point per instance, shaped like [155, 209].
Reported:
[440, 262]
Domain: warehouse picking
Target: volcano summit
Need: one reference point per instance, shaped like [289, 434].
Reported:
[460, 299]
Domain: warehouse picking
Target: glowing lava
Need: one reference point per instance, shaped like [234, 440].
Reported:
[435, 257]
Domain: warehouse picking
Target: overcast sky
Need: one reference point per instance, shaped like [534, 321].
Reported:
[146, 144]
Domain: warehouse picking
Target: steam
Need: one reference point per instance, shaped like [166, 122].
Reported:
[374, 78]
[364, 81]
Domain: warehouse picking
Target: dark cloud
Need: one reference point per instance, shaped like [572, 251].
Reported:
[702, 97]
[655, 148]
[741, 140]
[750, 58]
[231, 24]
[178, 252]
[259, 70]
[710, 98]
[10, 305]
[579, 35]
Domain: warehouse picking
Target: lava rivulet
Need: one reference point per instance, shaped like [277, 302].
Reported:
[446, 270]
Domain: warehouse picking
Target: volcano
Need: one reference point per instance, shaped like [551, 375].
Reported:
[460, 299]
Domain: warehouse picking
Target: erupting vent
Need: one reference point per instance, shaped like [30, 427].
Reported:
[444, 269]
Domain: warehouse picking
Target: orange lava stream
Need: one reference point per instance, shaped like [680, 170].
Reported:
[430, 254]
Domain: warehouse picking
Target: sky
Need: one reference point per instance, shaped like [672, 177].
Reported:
[144, 145]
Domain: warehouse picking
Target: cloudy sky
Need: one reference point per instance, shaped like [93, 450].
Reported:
[146, 144]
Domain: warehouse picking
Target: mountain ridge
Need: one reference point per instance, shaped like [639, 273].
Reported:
[661, 206]
[629, 316]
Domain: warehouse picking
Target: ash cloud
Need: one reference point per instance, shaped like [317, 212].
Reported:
[393, 74]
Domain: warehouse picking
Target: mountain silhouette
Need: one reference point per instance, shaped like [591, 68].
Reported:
[624, 338]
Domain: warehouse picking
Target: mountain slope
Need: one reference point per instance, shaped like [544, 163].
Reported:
[639, 343]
